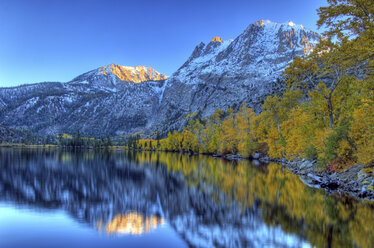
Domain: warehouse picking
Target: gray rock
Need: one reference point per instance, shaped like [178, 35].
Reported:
[361, 176]
[306, 164]
[256, 155]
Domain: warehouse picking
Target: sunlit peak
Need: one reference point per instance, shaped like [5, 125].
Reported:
[216, 39]
[137, 74]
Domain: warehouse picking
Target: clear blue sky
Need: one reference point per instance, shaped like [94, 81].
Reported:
[56, 40]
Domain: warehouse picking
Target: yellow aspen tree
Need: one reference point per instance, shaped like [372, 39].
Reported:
[297, 133]
[189, 143]
[362, 132]
[245, 118]
[228, 137]
[275, 111]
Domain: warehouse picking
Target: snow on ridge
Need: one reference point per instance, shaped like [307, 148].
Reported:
[201, 60]
[216, 51]
[268, 23]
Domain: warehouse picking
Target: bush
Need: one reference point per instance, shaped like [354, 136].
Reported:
[334, 140]
[310, 152]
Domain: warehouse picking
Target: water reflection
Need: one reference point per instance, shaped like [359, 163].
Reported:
[207, 201]
[132, 223]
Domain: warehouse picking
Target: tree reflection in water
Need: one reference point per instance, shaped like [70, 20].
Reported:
[208, 201]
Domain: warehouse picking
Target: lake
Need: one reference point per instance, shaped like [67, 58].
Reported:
[56, 198]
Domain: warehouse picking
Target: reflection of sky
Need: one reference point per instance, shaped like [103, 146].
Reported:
[32, 228]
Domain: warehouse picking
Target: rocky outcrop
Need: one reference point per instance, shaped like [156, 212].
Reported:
[217, 39]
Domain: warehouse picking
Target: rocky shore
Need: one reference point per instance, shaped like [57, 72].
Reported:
[353, 181]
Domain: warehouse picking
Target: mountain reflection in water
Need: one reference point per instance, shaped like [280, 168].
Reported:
[131, 223]
[206, 202]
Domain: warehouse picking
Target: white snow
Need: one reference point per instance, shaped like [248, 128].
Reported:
[38, 109]
[31, 102]
[84, 82]
[2, 103]
[202, 60]
[159, 91]
[130, 68]
[69, 98]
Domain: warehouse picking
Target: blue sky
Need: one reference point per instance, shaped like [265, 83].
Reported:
[56, 40]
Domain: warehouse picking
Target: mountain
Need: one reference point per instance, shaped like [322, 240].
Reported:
[114, 100]
[112, 77]
[224, 74]
[110, 100]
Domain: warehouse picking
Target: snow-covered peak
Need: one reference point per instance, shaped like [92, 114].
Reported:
[112, 78]
[137, 74]
[276, 25]
[261, 22]
[264, 49]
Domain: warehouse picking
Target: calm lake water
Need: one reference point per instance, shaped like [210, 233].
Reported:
[53, 198]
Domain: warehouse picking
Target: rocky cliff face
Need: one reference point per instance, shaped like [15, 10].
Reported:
[115, 99]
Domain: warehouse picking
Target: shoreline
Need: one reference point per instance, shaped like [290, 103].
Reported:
[352, 181]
